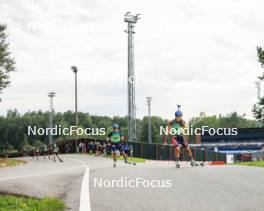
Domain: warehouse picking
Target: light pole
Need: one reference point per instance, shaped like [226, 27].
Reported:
[51, 95]
[257, 83]
[75, 70]
[259, 90]
[149, 119]
[131, 20]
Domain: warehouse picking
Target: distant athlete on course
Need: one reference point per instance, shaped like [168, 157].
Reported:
[45, 152]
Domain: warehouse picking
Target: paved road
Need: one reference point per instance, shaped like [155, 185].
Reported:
[219, 188]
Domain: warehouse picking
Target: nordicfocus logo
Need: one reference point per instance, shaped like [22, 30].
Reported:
[138, 182]
[58, 130]
[198, 131]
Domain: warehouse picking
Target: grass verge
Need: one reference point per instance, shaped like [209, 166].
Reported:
[136, 160]
[10, 162]
[16, 203]
[253, 163]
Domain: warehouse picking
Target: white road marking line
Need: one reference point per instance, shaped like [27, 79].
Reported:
[41, 174]
[85, 204]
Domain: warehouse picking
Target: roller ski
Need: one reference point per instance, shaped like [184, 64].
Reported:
[177, 164]
[195, 163]
[114, 165]
[128, 162]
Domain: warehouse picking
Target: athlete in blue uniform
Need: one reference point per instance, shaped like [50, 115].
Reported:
[116, 138]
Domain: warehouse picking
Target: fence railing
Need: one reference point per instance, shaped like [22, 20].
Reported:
[149, 151]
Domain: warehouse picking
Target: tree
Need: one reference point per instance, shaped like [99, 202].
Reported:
[261, 57]
[258, 108]
[230, 120]
[156, 123]
[7, 64]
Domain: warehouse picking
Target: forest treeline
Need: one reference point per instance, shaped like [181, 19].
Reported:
[14, 126]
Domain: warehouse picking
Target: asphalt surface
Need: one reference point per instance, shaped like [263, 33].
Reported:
[218, 188]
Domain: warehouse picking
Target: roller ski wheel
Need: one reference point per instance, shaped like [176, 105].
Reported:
[132, 163]
[114, 165]
[194, 163]
[177, 165]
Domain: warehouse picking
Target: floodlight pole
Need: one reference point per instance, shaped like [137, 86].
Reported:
[258, 85]
[51, 95]
[259, 90]
[75, 70]
[149, 120]
[132, 129]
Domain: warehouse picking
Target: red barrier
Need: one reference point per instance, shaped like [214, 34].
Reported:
[217, 163]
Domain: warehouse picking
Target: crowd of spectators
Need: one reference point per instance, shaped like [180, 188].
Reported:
[102, 148]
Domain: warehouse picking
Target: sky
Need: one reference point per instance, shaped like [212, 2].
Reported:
[200, 54]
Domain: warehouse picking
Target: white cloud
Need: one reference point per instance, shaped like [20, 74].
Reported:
[207, 48]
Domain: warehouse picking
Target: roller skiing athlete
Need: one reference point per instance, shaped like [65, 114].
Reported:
[178, 125]
[128, 151]
[56, 153]
[45, 152]
[33, 153]
[37, 153]
[116, 139]
[108, 149]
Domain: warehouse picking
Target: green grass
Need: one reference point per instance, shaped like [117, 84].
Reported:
[10, 162]
[253, 163]
[136, 160]
[14, 203]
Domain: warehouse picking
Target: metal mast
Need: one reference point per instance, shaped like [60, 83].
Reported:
[132, 131]
[51, 95]
[75, 70]
[258, 85]
[149, 120]
[259, 90]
